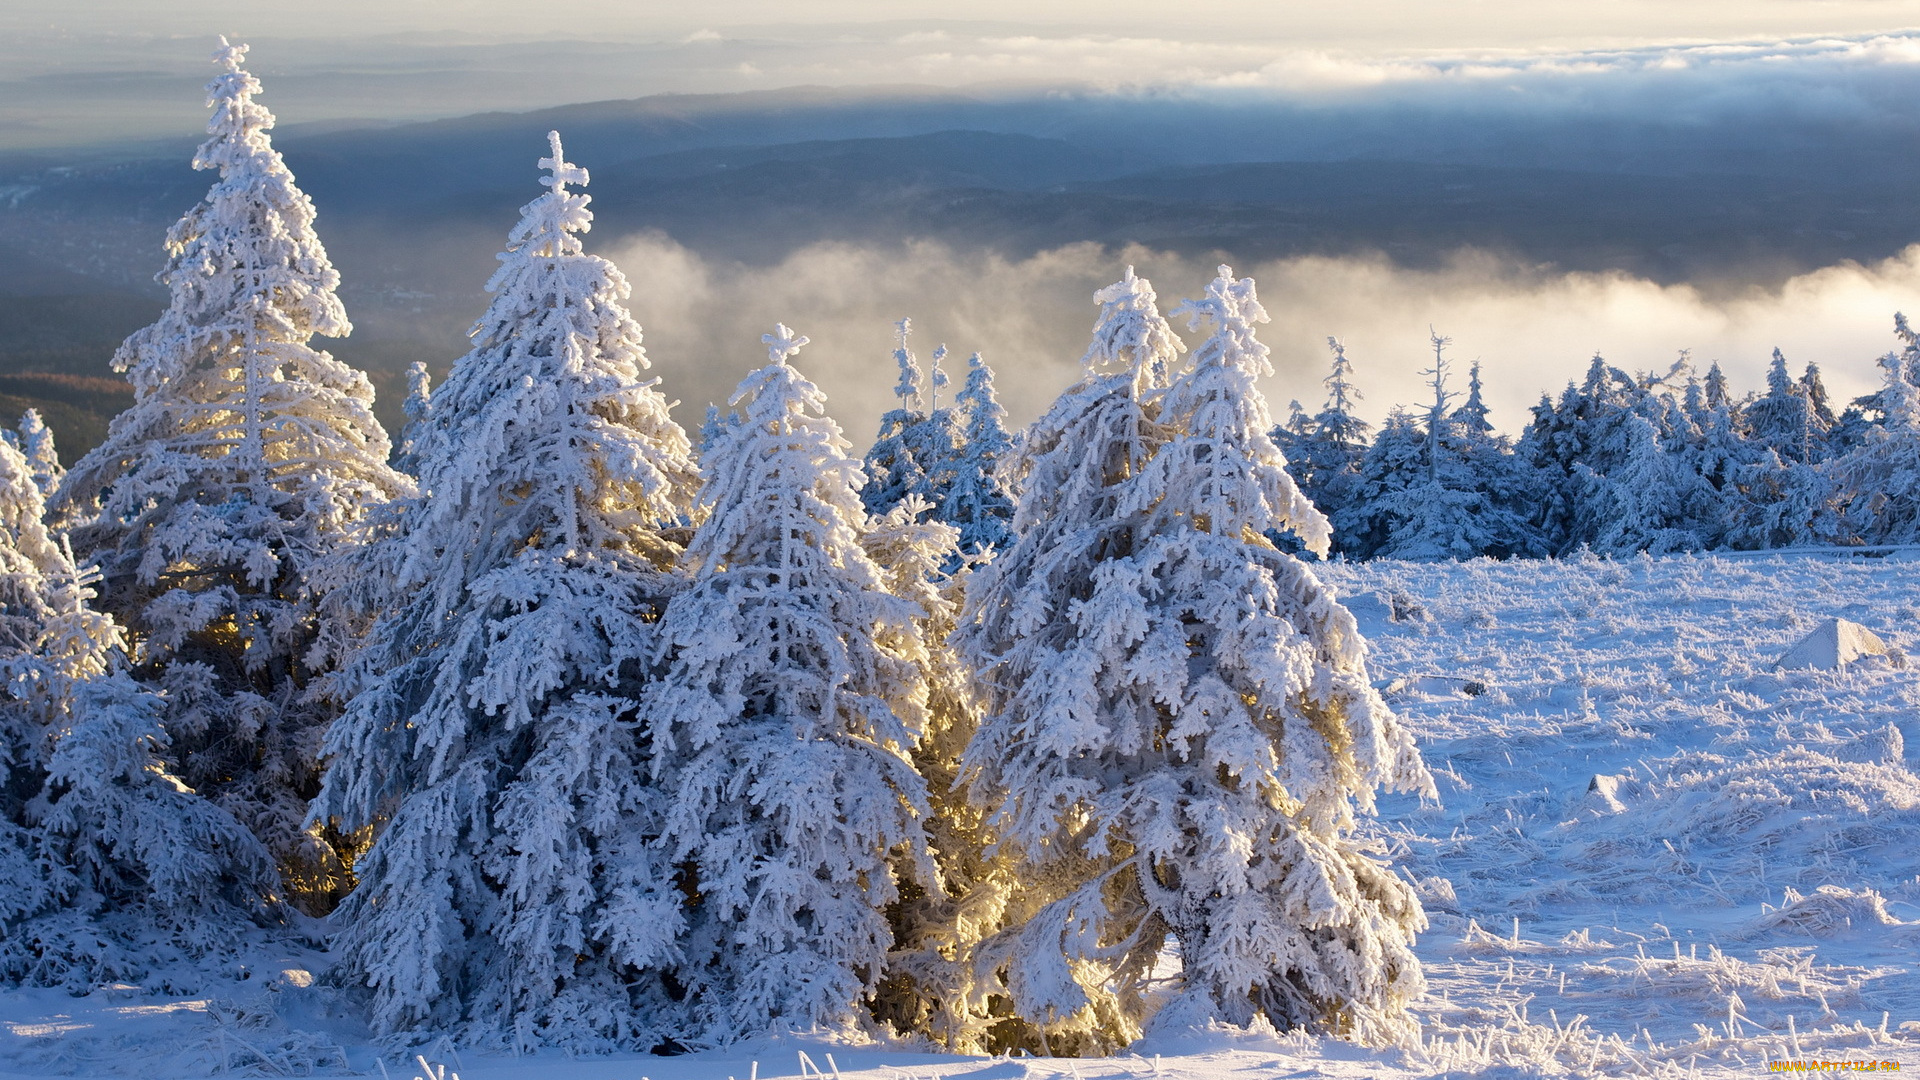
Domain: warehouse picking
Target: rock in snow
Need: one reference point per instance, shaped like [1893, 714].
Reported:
[1603, 795]
[1832, 645]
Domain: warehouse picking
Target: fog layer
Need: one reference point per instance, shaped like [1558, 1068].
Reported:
[1030, 318]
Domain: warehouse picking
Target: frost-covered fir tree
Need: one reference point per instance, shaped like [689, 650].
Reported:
[1761, 460]
[1724, 461]
[1102, 429]
[246, 457]
[1492, 467]
[1593, 431]
[36, 442]
[1716, 387]
[111, 864]
[893, 470]
[715, 425]
[1456, 491]
[1814, 389]
[1654, 501]
[489, 734]
[1909, 347]
[935, 441]
[1437, 512]
[932, 987]
[1364, 522]
[917, 452]
[1179, 736]
[1295, 426]
[793, 686]
[416, 408]
[1472, 413]
[1325, 458]
[1694, 402]
[1070, 468]
[1437, 419]
[977, 500]
[1785, 503]
[1876, 484]
[1784, 419]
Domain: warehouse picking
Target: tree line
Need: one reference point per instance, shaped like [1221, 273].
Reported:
[1620, 463]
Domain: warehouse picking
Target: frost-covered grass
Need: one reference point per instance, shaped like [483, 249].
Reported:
[1654, 855]
[1642, 823]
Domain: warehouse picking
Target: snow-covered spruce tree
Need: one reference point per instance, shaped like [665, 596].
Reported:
[246, 457]
[1716, 388]
[1726, 462]
[1782, 502]
[1437, 422]
[1784, 419]
[1099, 432]
[1512, 491]
[36, 442]
[1909, 347]
[111, 864]
[977, 500]
[1457, 491]
[932, 985]
[893, 472]
[792, 686]
[1364, 523]
[935, 441]
[1472, 413]
[1180, 732]
[1876, 484]
[1814, 389]
[31, 568]
[416, 408]
[1325, 458]
[1852, 426]
[1441, 513]
[1693, 402]
[1545, 446]
[1592, 431]
[488, 732]
[917, 451]
[715, 425]
[1762, 462]
[1850, 429]
[1070, 468]
[1659, 504]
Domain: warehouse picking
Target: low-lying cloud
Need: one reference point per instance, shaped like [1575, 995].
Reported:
[1531, 331]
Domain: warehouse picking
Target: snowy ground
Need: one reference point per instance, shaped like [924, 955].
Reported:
[1654, 855]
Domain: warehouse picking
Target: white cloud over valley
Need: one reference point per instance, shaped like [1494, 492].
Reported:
[1532, 331]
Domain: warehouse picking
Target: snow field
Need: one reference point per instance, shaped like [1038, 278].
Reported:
[1643, 826]
[1743, 887]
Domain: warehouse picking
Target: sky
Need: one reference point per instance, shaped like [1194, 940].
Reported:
[1388, 23]
[96, 69]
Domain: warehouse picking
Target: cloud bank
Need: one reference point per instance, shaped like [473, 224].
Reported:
[1030, 318]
